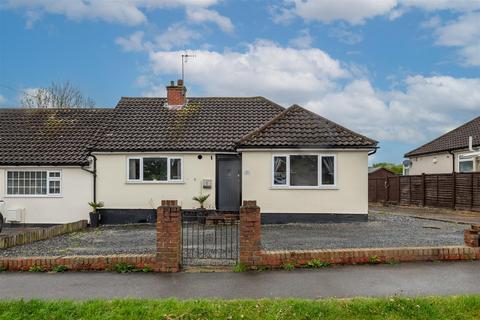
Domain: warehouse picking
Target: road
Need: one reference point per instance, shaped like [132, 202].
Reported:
[408, 279]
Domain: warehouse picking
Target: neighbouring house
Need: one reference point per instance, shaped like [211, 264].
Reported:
[380, 172]
[455, 151]
[299, 166]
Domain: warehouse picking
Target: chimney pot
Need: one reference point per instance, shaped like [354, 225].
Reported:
[176, 95]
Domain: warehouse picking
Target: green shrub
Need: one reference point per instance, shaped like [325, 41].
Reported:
[124, 268]
[239, 267]
[288, 266]
[60, 268]
[3, 269]
[36, 268]
[146, 269]
[374, 260]
[315, 263]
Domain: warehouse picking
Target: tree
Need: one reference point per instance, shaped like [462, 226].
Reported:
[62, 95]
[395, 168]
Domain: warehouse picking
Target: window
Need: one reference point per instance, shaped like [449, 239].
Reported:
[155, 169]
[34, 183]
[304, 171]
[465, 165]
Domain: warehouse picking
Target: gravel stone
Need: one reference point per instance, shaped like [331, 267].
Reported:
[382, 230]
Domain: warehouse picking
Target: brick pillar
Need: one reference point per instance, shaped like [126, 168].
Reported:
[250, 234]
[471, 236]
[169, 236]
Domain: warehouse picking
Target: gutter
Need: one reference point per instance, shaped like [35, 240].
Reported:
[94, 173]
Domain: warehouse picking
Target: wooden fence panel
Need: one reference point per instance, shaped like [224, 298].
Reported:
[476, 191]
[463, 191]
[459, 190]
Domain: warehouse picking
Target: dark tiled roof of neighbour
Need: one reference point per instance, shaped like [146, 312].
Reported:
[48, 136]
[298, 127]
[204, 124]
[453, 140]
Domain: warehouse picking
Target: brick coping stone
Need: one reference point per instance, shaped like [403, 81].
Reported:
[272, 259]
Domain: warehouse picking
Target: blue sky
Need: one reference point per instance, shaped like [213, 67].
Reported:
[399, 71]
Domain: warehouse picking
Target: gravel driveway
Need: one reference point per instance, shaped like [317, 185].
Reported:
[382, 230]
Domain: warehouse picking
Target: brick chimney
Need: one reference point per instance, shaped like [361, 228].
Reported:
[176, 95]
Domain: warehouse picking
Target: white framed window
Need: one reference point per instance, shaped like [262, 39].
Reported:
[34, 183]
[304, 170]
[154, 169]
[466, 165]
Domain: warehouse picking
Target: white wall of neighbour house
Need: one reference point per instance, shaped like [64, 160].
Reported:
[70, 206]
[438, 163]
[117, 192]
[350, 196]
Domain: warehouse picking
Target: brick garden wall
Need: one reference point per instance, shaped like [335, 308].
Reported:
[252, 255]
[78, 263]
[7, 241]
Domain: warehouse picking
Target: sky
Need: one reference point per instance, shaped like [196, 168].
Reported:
[399, 71]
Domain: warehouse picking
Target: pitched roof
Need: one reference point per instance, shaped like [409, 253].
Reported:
[298, 127]
[453, 140]
[48, 136]
[204, 124]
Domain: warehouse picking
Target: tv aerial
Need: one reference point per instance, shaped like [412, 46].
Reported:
[185, 57]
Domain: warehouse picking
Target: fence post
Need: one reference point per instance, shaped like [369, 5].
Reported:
[454, 194]
[250, 234]
[424, 190]
[169, 236]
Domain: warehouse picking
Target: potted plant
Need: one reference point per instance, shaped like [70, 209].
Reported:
[94, 215]
[201, 212]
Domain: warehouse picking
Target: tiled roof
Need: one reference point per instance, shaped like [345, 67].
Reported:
[453, 140]
[48, 136]
[204, 124]
[65, 136]
[298, 127]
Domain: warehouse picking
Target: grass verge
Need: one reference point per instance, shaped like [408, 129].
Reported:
[461, 307]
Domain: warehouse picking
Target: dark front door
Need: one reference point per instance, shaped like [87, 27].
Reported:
[229, 170]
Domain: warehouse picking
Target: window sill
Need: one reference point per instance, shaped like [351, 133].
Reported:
[303, 188]
[33, 196]
[155, 182]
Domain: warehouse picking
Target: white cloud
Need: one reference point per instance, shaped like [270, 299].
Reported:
[427, 107]
[2, 100]
[303, 41]
[463, 33]
[422, 108]
[201, 15]
[345, 36]
[175, 36]
[128, 12]
[264, 68]
[357, 12]
[352, 11]
[132, 43]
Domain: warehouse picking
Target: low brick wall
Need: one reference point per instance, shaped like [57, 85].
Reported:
[7, 241]
[78, 263]
[370, 255]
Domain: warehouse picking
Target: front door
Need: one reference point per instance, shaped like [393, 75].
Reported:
[229, 170]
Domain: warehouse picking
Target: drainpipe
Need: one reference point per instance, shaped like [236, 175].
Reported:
[94, 173]
[373, 152]
[453, 160]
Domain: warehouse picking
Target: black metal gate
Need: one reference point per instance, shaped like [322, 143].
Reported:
[209, 239]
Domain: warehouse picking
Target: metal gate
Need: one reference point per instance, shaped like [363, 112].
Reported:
[209, 240]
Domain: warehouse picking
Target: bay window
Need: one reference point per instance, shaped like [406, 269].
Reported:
[34, 183]
[304, 170]
[155, 169]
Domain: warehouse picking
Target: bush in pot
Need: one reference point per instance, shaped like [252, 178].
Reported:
[201, 213]
[94, 215]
